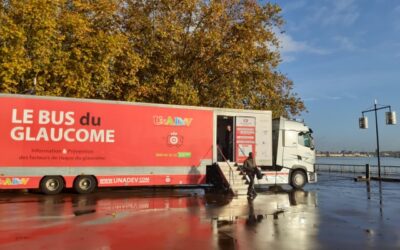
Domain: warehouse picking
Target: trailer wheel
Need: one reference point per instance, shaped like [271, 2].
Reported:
[298, 179]
[51, 184]
[85, 184]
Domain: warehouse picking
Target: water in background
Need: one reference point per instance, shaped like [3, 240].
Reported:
[385, 161]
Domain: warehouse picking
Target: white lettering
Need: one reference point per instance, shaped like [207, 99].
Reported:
[28, 115]
[54, 119]
[66, 135]
[28, 135]
[42, 134]
[44, 117]
[53, 136]
[110, 136]
[17, 134]
[126, 180]
[85, 134]
[59, 134]
[14, 118]
[97, 136]
[69, 118]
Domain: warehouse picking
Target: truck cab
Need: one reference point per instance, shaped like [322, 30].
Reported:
[293, 151]
[283, 148]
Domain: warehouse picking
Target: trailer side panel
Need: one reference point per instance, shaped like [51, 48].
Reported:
[131, 142]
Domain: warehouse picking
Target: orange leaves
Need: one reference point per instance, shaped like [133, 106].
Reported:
[196, 52]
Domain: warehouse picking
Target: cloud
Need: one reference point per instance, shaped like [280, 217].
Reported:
[289, 45]
[350, 96]
[396, 22]
[321, 14]
[343, 96]
[292, 6]
[345, 43]
[288, 58]
[334, 98]
[338, 12]
[310, 99]
[322, 98]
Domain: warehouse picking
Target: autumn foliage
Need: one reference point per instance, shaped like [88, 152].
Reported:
[193, 52]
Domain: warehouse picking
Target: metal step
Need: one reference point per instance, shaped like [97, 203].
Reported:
[233, 176]
[240, 191]
[234, 170]
[240, 186]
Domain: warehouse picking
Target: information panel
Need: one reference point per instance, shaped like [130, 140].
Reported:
[245, 137]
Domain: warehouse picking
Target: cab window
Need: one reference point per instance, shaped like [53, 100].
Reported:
[306, 140]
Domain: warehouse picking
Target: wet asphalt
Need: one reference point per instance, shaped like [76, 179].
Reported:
[335, 213]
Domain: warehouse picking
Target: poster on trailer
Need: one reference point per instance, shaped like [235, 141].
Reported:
[69, 132]
[245, 137]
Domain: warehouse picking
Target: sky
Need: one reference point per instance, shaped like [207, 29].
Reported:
[341, 56]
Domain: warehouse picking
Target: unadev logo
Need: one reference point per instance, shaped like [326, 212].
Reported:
[160, 120]
[13, 181]
[174, 139]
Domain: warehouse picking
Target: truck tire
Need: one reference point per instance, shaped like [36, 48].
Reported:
[298, 179]
[52, 184]
[85, 184]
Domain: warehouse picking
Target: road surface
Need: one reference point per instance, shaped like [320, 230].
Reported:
[336, 213]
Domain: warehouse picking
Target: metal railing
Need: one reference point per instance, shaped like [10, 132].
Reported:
[357, 169]
[231, 178]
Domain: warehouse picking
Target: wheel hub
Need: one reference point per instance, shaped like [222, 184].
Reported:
[299, 179]
[84, 184]
[52, 185]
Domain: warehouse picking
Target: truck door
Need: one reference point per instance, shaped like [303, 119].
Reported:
[306, 150]
[225, 138]
[290, 156]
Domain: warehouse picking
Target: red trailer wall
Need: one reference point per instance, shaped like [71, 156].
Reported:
[137, 135]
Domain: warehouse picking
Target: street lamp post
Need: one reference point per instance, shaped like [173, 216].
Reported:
[390, 120]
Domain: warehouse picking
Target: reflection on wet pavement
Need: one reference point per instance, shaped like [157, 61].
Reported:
[335, 213]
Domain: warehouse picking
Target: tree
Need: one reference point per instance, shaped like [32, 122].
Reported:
[211, 53]
[13, 57]
[72, 48]
[194, 52]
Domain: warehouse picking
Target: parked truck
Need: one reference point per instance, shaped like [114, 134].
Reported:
[52, 143]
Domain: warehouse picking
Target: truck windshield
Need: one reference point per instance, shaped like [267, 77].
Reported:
[306, 139]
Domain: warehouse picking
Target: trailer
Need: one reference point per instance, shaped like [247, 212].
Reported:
[52, 143]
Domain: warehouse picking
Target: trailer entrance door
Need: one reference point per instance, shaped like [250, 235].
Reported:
[225, 138]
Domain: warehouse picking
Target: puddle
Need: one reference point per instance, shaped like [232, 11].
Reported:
[193, 219]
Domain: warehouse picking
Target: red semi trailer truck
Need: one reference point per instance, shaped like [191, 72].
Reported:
[52, 143]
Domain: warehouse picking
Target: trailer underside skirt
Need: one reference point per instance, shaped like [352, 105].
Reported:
[26, 181]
